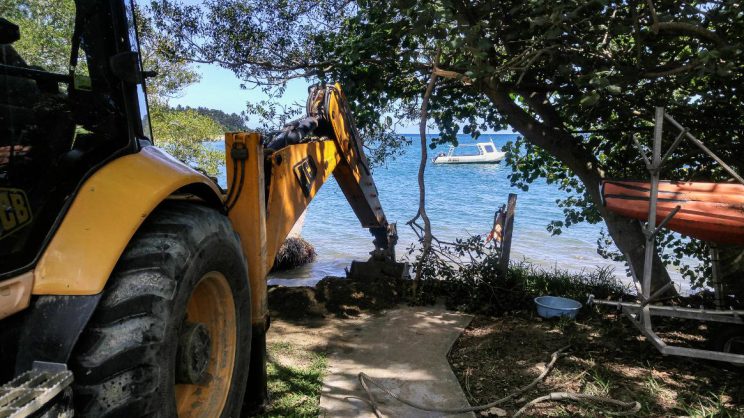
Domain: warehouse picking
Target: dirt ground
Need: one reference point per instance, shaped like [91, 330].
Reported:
[607, 357]
[336, 296]
[495, 356]
[317, 335]
[318, 320]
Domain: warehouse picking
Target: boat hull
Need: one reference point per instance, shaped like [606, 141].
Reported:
[711, 212]
[470, 159]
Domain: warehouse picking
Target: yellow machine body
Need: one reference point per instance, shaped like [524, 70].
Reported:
[276, 187]
[272, 192]
[112, 204]
[263, 219]
[270, 185]
[108, 209]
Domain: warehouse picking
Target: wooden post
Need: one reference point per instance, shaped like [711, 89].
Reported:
[507, 237]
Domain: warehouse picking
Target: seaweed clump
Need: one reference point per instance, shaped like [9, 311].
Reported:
[293, 253]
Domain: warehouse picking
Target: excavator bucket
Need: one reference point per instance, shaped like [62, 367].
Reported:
[381, 264]
[378, 269]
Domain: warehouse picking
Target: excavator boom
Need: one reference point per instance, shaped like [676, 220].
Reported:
[296, 163]
[271, 182]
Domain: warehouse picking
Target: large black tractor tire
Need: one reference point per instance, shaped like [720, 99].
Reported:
[171, 336]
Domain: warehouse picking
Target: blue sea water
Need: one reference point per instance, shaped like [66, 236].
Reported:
[461, 201]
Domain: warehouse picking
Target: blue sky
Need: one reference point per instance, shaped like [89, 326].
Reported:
[220, 89]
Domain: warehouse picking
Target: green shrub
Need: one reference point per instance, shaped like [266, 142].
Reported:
[466, 273]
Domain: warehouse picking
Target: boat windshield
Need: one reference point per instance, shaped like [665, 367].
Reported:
[488, 148]
[464, 150]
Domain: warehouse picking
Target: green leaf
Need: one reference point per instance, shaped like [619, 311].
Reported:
[590, 100]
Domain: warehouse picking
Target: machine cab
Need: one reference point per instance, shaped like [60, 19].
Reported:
[65, 110]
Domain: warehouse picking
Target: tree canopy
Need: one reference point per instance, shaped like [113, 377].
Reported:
[573, 77]
[46, 26]
[230, 122]
[182, 133]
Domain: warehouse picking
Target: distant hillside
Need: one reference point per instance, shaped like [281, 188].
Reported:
[231, 122]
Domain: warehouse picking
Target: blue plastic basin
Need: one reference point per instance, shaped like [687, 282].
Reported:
[552, 306]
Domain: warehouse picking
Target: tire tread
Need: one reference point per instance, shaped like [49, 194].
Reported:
[116, 362]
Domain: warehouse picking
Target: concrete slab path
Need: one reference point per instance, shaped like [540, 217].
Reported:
[405, 349]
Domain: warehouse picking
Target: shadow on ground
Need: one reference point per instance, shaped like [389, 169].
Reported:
[608, 357]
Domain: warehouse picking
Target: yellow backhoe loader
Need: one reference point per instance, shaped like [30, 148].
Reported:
[131, 284]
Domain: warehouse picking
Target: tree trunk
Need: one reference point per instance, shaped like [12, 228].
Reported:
[629, 238]
[549, 134]
[421, 184]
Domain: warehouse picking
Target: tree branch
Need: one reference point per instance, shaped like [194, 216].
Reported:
[540, 105]
[548, 135]
[439, 72]
[682, 28]
[532, 60]
[689, 29]
[676, 70]
[654, 16]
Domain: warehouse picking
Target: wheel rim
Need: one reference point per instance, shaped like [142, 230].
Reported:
[211, 305]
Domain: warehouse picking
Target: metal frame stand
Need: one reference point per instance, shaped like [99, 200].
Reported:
[641, 313]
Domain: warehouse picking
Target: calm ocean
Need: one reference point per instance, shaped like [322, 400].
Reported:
[461, 200]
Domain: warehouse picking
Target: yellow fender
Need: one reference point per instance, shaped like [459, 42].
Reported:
[108, 209]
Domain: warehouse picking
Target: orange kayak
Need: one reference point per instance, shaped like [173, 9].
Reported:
[709, 211]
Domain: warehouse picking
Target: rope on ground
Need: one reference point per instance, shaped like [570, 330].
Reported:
[632, 407]
[364, 378]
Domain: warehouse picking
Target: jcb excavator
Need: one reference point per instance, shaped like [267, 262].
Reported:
[131, 284]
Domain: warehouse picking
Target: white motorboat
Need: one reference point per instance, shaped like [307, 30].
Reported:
[482, 152]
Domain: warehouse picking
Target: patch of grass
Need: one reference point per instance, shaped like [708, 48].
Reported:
[537, 281]
[599, 385]
[712, 405]
[653, 385]
[468, 274]
[480, 288]
[566, 325]
[295, 380]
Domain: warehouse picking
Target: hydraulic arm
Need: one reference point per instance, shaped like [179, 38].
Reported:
[272, 181]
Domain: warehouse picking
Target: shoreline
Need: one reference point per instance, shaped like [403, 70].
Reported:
[310, 274]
